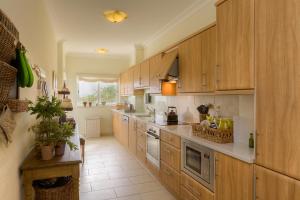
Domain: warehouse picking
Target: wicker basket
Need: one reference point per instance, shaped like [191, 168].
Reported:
[214, 135]
[9, 37]
[16, 105]
[8, 76]
[64, 192]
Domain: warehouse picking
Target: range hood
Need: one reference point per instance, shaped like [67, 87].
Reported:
[170, 65]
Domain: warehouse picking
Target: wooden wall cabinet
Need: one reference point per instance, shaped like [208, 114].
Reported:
[234, 179]
[274, 186]
[197, 61]
[145, 74]
[126, 83]
[137, 76]
[235, 45]
[141, 75]
[278, 85]
[155, 73]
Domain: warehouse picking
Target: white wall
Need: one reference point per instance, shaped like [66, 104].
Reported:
[106, 66]
[184, 25]
[36, 34]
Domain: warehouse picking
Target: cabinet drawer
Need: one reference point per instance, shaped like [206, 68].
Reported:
[196, 188]
[141, 125]
[170, 178]
[170, 155]
[187, 195]
[141, 153]
[141, 138]
[170, 139]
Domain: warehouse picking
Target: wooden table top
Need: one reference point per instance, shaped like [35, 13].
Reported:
[34, 161]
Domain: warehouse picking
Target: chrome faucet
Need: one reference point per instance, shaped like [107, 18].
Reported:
[152, 112]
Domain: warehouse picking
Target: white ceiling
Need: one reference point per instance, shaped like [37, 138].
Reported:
[80, 23]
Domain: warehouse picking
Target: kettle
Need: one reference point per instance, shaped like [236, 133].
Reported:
[172, 116]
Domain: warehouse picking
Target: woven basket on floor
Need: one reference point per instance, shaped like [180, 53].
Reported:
[64, 192]
[16, 105]
[9, 37]
[8, 75]
[214, 135]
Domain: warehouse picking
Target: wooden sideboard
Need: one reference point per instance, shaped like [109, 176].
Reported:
[33, 168]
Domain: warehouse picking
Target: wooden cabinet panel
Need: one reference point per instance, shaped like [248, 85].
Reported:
[130, 80]
[274, 186]
[277, 49]
[124, 131]
[170, 178]
[234, 179]
[145, 74]
[132, 135]
[116, 125]
[199, 191]
[141, 125]
[170, 138]
[197, 61]
[190, 65]
[141, 153]
[155, 75]
[235, 45]
[141, 138]
[208, 59]
[122, 84]
[170, 155]
[187, 195]
[137, 76]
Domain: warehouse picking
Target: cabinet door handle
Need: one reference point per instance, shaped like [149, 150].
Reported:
[217, 73]
[204, 81]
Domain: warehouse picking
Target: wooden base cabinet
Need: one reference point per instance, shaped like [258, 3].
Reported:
[132, 136]
[234, 179]
[193, 190]
[274, 186]
[170, 178]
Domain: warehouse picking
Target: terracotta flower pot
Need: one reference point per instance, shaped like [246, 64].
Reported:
[60, 148]
[84, 103]
[90, 104]
[47, 152]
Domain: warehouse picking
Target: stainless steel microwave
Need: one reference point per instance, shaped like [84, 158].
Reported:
[198, 161]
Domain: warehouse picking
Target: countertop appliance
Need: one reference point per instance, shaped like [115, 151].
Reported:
[172, 117]
[153, 145]
[198, 161]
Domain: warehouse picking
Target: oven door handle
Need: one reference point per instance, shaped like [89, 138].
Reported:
[152, 135]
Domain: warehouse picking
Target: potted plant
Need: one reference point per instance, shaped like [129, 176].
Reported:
[62, 137]
[90, 104]
[47, 130]
[84, 103]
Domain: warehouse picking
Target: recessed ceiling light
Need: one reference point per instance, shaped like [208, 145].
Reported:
[115, 16]
[102, 50]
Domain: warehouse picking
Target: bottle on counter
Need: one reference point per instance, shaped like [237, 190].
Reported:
[251, 141]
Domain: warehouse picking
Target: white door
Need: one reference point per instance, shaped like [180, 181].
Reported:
[92, 127]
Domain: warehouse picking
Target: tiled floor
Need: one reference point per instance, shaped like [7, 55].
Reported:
[112, 173]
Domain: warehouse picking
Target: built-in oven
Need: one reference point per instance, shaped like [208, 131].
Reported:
[153, 145]
[198, 162]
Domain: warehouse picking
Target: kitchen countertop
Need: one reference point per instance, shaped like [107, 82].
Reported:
[236, 150]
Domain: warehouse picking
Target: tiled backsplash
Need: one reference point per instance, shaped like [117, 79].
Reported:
[238, 107]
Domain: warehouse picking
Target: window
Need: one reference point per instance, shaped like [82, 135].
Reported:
[98, 91]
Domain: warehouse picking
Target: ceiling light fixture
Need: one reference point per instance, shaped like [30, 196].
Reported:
[102, 50]
[115, 16]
